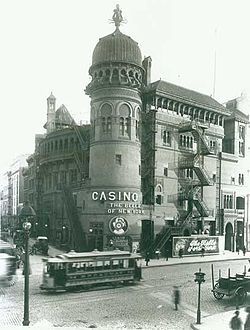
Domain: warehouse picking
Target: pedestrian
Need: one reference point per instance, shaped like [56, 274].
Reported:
[238, 249]
[244, 250]
[166, 252]
[157, 253]
[202, 251]
[176, 297]
[147, 258]
[181, 253]
[247, 321]
[236, 323]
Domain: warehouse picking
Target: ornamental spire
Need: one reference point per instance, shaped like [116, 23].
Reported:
[117, 17]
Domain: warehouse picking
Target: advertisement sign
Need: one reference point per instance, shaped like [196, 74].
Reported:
[192, 245]
[118, 226]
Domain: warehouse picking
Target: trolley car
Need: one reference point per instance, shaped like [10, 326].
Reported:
[84, 269]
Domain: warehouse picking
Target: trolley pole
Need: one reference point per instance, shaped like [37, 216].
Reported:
[26, 321]
[27, 213]
[199, 304]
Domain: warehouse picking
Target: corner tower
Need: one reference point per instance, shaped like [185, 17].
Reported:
[115, 147]
[116, 73]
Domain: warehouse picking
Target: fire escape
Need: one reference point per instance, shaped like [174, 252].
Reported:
[79, 156]
[191, 189]
[148, 174]
[78, 241]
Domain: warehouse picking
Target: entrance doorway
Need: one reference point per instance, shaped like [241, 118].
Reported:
[229, 237]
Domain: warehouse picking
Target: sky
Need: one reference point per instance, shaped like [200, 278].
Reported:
[47, 45]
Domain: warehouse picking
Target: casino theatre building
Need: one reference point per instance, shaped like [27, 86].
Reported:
[157, 160]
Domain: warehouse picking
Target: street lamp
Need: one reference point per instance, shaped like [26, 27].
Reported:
[199, 278]
[26, 214]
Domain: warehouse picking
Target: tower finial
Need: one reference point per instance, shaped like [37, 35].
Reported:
[117, 16]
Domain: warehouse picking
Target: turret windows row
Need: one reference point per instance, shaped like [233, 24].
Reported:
[60, 145]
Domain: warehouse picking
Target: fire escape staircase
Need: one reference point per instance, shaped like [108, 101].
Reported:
[72, 212]
[78, 161]
[167, 231]
[195, 164]
[197, 129]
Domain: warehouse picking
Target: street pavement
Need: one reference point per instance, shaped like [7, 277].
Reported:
[216, 321]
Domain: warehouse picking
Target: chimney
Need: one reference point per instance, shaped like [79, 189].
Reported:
[146, 63]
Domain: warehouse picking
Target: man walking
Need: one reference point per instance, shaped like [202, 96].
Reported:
[176, 296]
[236, 323]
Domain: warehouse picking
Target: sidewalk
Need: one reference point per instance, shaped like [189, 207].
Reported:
[218, 321]
[225, 255]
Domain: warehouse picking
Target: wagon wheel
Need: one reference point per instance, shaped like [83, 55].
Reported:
[240, 295]
[217, 295]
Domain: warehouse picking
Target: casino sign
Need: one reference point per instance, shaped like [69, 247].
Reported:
[118, 226]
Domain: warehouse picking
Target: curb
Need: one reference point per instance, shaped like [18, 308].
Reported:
[193, 262]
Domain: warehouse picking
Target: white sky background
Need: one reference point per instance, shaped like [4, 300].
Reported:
[47, 45]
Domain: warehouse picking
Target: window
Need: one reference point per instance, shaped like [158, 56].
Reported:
[103, 124]
[109, 125]
[159, 195]
[121, 127]
[228, 201]
[166, 137]
[242, 132]
[232, 180]
[241, 179]
[165, 171]
[118, 159]
[241, 148]
[137, 129]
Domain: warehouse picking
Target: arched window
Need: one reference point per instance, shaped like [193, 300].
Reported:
[121, 127]
[106, 121]
[159, 194]
[127, 126]
[103, 124]
[109, 126]
[125, 122]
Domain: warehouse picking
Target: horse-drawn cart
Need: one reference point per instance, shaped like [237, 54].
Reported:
[232, 286]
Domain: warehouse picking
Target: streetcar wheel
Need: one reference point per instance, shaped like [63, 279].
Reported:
[217, 295]
[240, 295]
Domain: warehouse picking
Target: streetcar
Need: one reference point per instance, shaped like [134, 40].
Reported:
[7, 269]
[89, 269]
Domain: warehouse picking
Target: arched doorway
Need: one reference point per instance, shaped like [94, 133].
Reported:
[229, 237]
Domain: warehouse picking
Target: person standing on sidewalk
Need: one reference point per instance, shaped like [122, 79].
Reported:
[244, 250]
[147, 258]
[236, 323]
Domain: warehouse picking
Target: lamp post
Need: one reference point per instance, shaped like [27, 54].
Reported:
[199, 278]
[26, 214]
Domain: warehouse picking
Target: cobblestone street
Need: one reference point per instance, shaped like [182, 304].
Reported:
[148, 305]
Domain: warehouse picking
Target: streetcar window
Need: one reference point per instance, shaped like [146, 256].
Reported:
[107, 264]
[131, 262]
[125, 263]
[121, 263]
[99, 265]
[115, 264]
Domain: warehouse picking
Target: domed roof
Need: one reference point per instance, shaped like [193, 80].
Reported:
[117, 47]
